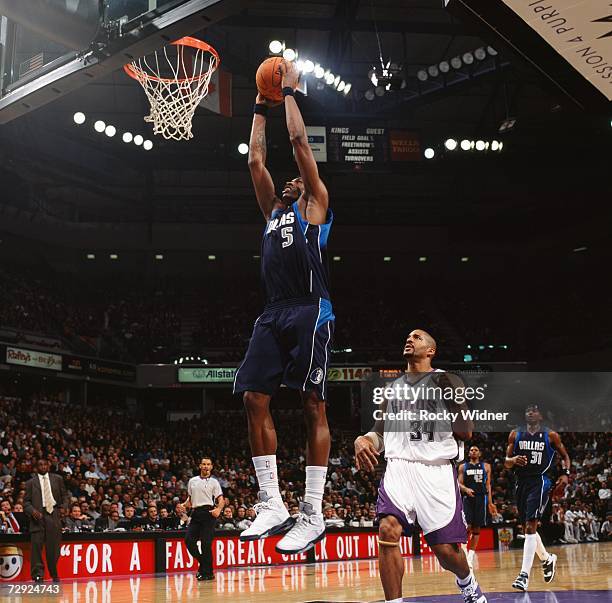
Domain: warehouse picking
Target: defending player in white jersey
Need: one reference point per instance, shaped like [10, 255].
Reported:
[420, 481]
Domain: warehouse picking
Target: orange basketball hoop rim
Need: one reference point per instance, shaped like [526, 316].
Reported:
[136, 73]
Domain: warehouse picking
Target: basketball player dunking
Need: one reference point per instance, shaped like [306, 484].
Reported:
[420, 481]
[291, 339]
[531, 452]
[475, 484]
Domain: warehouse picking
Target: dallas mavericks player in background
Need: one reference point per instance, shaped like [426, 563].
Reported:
[475, 478]
[531, 452]
[291, 339]
[420, 481]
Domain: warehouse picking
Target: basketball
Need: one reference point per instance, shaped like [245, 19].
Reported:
[268, 79]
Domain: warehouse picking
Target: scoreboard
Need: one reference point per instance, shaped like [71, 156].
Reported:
[357, 145]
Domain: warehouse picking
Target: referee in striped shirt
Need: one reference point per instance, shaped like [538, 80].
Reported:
[206, 501]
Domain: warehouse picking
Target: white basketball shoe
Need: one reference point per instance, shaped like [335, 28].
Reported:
[309, 529]
[272, 518]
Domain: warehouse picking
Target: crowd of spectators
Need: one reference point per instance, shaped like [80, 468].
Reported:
[115, 318]
[129, 475]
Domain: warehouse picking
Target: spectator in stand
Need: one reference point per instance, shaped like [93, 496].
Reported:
[129, 521]
[151, 520]
[331, 518]
[572, 531]
[241, 521]
[226, 521]
[8, 521]
[101, 524]
[76, 521]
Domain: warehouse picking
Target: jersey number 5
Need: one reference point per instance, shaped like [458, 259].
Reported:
[287, 234]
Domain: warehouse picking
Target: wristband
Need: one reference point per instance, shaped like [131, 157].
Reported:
[260, 109]
[288, 91]
[567, 472]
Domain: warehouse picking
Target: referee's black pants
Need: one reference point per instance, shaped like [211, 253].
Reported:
[202, 528]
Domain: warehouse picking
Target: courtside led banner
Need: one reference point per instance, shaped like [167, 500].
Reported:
[226, 375]
[579, 30]
[33, 359]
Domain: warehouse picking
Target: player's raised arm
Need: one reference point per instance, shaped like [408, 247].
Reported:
[262, 181]
[317, 199]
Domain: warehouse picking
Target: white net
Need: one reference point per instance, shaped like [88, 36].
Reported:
[175, 80]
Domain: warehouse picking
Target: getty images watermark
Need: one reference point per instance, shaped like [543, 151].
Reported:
[424, 403]
[494, 401]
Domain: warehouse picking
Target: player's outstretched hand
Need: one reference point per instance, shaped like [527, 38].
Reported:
[365, 454]
[291, 75]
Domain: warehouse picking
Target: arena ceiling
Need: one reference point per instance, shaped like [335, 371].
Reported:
[51, 167]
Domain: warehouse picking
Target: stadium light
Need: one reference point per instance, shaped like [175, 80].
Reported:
[456, 63]
[336, 81]
[429, 153]
[138, 140]
[347, 89]
[423, 258]
[243, 148]
[422, 75]
[465, 145]
[319, 72]
[492, 51]
[337, 258]
[308, 66]
[91, 256]
[212, 257]
[387, 258]
[99, 126]
[444, 67]
[127, 137]
[341, 86]
[468, 58]
[465, 259]
[79, 118]
[494, 145]
[450, 144]
[300, 65]
[329, 78]
[147, 145]
[113, 256]
[480, 145]
[480, 54]
[159, 256]
[433, 71]
[276, 46]
[289, 54]
[369, 94]
[110, 131]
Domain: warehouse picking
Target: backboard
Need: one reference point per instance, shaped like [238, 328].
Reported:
[35, 70]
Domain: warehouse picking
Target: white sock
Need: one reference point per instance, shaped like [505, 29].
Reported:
[541, 551]
[463, 582]
[394, 600]
[529, 549]
[267, 474]
[315, 486]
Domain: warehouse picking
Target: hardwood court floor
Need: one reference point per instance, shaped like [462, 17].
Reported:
[583, 576]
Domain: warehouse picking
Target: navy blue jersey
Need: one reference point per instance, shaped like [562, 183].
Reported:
[475, 477]
[294, 257]
[538, 450]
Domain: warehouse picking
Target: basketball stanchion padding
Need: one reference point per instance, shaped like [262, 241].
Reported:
[175, 80]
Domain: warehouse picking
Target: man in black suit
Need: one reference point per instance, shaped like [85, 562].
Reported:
[45, 495]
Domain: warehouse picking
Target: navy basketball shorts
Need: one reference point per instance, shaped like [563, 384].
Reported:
[289, 346]
[532, 496]
[475, 509]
